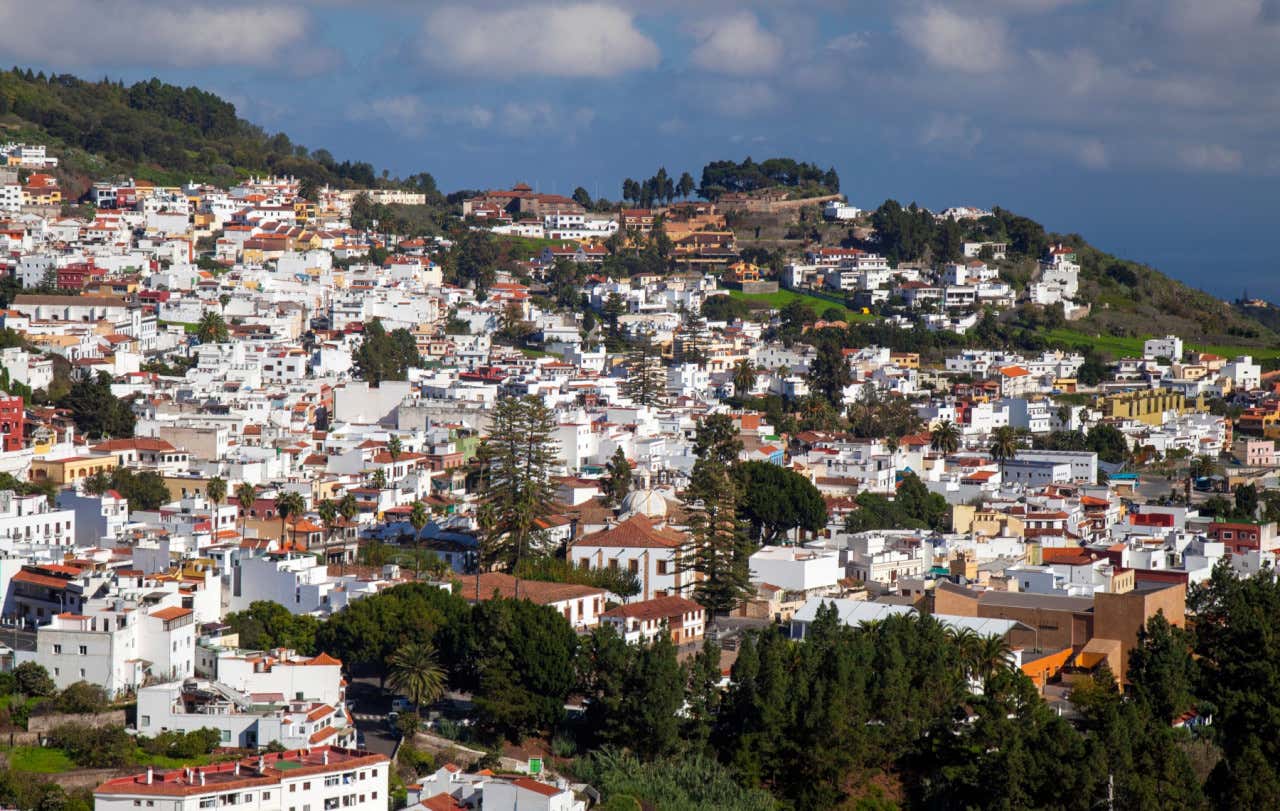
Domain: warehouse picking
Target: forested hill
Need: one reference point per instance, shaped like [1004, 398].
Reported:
[1128, 299]
[155, 131]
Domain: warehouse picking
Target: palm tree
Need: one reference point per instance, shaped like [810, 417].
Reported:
[288, 504]
[246, 494]
[418, 519]
[744, 378]
[965, 641]
[415, 671]
[945, 438]
[1202, 466]
[328, 512]
[394, 448]
[379, 479]
[348, 507]
[991, 656]
[216, 490]
[1004, 446]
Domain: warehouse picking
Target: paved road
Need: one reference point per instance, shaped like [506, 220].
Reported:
[17, 639]
[369, 707]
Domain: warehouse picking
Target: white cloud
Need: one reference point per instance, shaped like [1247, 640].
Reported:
[130, 32]
[1200, 17]
[406, 115]
[581, 40]
[736, 46]
[957, 42]
[950, 131]
[543, 118]
[848, 43]
[742, 98]
[1211, 158]
[1092, 154]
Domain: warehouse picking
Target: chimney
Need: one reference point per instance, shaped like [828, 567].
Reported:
[236, 770]
[150, 775]
[262, 763]
[202, 778]
[326, 757]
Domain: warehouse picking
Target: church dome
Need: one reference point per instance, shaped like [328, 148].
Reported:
[648, 503]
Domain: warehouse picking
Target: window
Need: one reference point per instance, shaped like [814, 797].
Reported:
[57, 649]
[226, 736]
[293, 787]
[82, 672]
[306, 786]
[331, 803]
[266, 795]
[146, 720]
[57, 671]
[332, 781]
[662, 567]
[84, 650]
[633, 566]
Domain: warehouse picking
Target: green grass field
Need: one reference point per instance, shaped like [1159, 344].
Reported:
[40, 760]
[782, 298]
[1132, 347]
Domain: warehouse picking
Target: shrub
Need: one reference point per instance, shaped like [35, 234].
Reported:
[82, 697]
[94, 747]
[182, 744]
[33, 680]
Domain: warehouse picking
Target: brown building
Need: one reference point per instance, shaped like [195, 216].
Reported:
[1102, 628]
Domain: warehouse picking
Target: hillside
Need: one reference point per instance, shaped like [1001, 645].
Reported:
[1129, 299]
[155, 131]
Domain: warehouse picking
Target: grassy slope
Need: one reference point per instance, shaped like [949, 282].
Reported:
[819, 304]
[1118, 346]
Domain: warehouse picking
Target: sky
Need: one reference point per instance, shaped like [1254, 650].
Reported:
[1147, 126]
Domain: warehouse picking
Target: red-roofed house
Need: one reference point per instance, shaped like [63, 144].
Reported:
[649, 552]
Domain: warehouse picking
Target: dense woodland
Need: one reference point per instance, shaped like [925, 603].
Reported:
[156, 129]
[879, 714]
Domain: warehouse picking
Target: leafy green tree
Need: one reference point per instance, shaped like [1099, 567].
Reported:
[384, 355]
[521, 654]
[1246, 496]
[829, 373]
[874, 415]
[717, 439]
[97, 412]
[266, 625]
[653, 695]
[1109, 443]
[718, 550]
[519, 494]
[618, 482]
[32, 679]
[144, 490]
[777, 500]
[646, 381]
[1162, 672]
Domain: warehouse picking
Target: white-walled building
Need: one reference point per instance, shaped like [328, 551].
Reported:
[637, 546]
[796, 569]
[323, 778]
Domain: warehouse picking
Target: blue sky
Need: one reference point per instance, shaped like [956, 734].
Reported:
[1148, 126]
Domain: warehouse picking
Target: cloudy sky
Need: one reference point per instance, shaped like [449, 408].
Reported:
[1149, 126]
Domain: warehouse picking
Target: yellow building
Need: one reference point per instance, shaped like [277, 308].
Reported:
[71, 469]
[1147, 405]
[965, 518]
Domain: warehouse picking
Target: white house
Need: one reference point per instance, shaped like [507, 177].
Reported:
[322, 778]
[640, 547]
